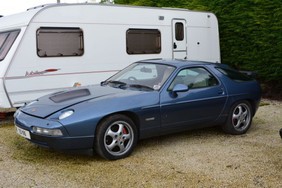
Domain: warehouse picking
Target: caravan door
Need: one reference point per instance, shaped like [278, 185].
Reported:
[179, 39]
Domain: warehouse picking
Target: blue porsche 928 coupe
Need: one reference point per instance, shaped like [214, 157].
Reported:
[148, 98]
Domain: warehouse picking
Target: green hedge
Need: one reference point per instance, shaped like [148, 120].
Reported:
[251, 38]
[250, 34]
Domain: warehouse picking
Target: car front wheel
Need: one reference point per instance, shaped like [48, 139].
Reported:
[239, 119]
[116, 137]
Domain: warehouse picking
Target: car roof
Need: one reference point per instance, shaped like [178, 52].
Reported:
[177, 62]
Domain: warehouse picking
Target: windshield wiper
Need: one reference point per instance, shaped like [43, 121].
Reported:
[103, 83]
[117, 84]
[147, 88]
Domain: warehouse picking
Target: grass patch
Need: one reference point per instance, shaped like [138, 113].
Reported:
[28, 152]
[23, 150]
[264, 103]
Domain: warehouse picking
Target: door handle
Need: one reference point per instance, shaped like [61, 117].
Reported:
[174, 45]
[221, 91]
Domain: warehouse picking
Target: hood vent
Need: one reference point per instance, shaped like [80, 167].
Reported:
[69, 95]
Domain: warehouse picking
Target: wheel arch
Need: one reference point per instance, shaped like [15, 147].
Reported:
[253, 106]
[133, 116]
[252, 102]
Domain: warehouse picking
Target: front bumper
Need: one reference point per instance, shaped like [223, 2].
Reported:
[65, 142]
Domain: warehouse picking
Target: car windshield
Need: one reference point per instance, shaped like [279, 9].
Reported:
[141, 76]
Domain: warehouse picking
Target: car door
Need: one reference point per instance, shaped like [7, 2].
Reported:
[199, 106]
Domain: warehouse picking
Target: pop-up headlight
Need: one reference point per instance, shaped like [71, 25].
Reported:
[66, 114]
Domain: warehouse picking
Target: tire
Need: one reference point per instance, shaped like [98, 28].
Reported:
[116, 137]
[239, 119]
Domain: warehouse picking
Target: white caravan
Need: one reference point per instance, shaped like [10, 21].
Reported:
[54, 47]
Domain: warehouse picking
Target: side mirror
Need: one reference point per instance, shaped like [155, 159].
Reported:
[178, 88]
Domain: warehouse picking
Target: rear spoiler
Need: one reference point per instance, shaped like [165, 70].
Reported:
[251, 74]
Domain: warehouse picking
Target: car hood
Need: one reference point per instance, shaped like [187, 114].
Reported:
[49, 104]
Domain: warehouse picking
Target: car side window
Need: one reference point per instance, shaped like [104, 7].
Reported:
[197, 77]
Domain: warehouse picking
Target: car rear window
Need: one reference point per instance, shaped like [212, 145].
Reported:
[234, 74]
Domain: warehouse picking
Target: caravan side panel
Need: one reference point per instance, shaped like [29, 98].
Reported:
[30, 74]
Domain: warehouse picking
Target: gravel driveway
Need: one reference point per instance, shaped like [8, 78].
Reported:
[201, 158]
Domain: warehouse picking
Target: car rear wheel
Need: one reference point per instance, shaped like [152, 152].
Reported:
[239, 119]
[116, 137]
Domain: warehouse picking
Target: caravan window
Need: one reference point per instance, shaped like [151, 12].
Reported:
[59, 42]
[6, 41]
[179, 31]
[143, 41]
